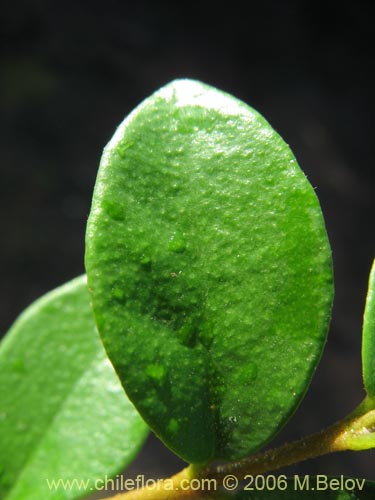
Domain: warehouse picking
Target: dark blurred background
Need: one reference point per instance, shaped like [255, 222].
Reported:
[70, 71]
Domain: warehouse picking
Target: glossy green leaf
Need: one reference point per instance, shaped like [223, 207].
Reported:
[210, 271]
[313, 488]
[63, 412]
[368, 343]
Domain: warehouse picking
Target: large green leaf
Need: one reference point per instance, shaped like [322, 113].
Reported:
[210, 271]
[312, 488]
[63, 412]
[368, 345]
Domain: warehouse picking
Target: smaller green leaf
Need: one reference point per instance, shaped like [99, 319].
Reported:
[368, 344]
[311, 488]
[63, 412]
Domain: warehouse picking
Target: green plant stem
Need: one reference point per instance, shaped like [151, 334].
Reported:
[352, 433]
[321, 443]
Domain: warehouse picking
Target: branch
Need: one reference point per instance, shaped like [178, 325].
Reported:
[355, 432]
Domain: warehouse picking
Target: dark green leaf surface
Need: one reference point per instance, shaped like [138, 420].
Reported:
[210, 271]
[368, 345]
[63, 412]
[325, 489]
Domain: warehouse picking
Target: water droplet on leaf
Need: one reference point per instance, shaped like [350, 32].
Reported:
[177, 243]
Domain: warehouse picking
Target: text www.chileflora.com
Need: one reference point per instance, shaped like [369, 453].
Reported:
[120, 483]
